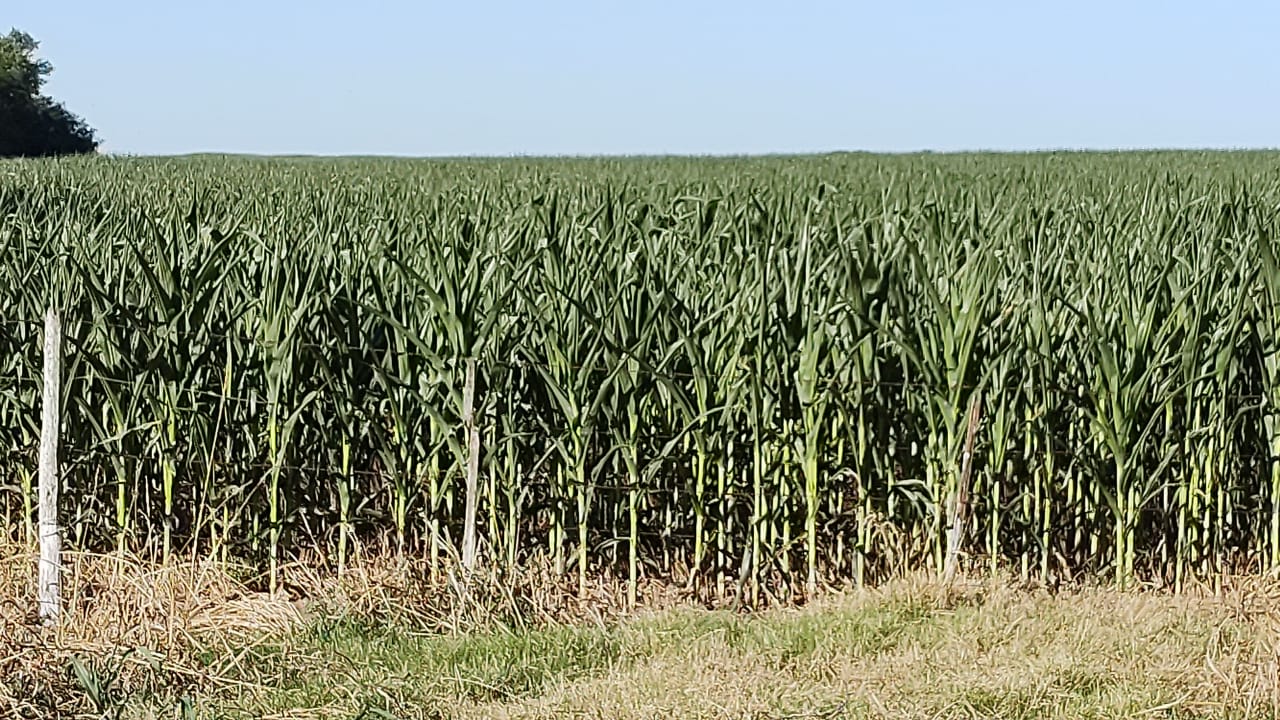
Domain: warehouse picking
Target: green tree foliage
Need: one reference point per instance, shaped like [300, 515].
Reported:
[32, 124]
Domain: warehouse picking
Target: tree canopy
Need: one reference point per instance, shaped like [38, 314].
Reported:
[33, 124]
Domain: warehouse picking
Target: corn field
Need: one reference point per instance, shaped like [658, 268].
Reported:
[726, 372]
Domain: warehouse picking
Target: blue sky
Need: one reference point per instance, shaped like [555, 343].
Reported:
[500, 78]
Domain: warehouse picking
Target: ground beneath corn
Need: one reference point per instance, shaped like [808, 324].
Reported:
[190, 641]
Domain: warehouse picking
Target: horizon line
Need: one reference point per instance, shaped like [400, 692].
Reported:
[691, 155]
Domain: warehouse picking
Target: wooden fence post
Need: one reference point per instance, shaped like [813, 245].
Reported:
[50, 536]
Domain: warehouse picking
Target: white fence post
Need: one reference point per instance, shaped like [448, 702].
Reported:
[50, 536]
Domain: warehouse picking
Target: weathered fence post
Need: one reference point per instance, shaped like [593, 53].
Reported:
[50, 536]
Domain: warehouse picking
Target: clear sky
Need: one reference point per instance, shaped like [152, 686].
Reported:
[398, 77]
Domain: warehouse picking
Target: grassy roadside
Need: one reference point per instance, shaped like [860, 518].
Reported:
[904, 652]
[164, 642]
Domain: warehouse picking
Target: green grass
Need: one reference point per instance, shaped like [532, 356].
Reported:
[432, 673]
[904, 653]
[476, 667]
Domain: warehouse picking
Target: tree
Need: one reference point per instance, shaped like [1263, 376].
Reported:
[32, 124]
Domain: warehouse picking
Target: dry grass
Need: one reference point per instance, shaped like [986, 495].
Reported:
[193, 628]
[136, 628]
[910, 651]
[390, 639]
